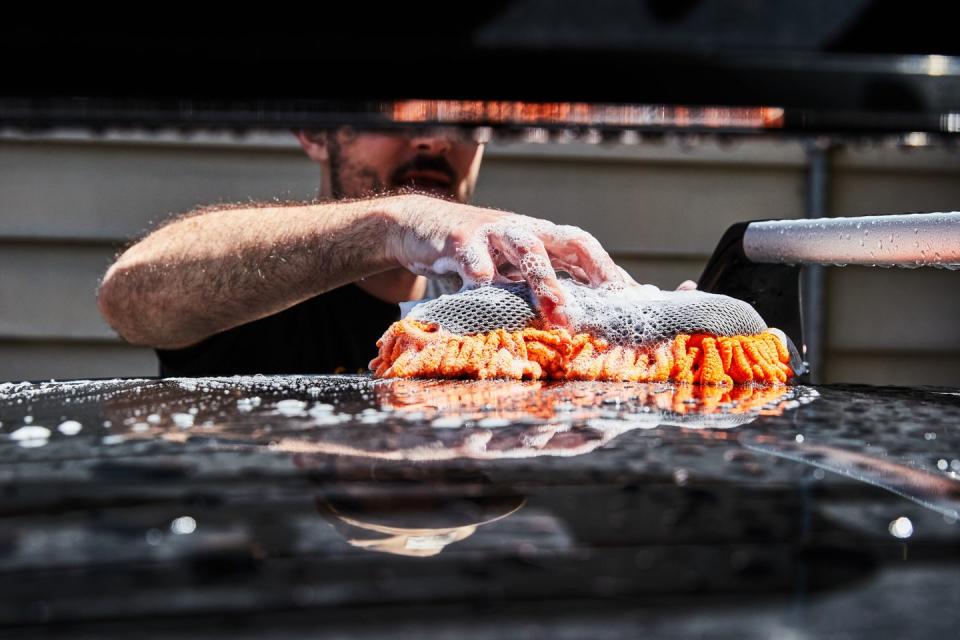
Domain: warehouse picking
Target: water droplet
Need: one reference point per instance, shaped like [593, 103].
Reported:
[182, 420]
[32, 432]
[291, 407]
[69, 427]
[248, 404]
[901, 528]
[799, 438]
[183, 525]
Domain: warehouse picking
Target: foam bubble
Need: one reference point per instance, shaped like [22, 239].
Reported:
[444, 265]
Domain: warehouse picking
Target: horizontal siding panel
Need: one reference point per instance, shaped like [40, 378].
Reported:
[66, 361]
[893, 309]
[900, 160]
[903, 370]
[664, 273]
[669, 150]
[49, 291]
[117, 192]
[643, 209]
[863, 193]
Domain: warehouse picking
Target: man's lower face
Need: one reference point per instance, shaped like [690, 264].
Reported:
[351, 181]
[426, 174]
[425, 183]
[433, 174]
[368, 183]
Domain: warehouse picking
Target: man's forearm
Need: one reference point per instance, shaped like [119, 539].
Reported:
[209, 272]
[215, 270]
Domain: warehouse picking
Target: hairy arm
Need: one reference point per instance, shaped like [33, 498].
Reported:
[213, 270]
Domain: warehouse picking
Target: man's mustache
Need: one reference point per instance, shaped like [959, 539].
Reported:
[425, 163]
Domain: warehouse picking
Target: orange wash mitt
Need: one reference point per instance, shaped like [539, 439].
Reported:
[414, 348]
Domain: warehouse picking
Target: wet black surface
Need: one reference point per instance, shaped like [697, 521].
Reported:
[289, 506]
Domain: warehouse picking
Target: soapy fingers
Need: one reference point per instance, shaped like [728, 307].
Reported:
[486, 246]
[523, 249]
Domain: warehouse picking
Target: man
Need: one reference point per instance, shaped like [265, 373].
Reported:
[308, 288]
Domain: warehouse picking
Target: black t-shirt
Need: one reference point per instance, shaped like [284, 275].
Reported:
[335, 332]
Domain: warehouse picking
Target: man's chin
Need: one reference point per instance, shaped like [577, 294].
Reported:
[436, 190]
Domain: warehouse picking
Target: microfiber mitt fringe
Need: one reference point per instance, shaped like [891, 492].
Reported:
[416, 349]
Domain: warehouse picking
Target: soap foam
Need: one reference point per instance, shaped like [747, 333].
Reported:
[629, 316]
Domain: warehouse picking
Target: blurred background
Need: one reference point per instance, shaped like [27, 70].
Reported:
[69, 201]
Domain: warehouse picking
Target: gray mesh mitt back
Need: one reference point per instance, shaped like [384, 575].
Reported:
[639, 320]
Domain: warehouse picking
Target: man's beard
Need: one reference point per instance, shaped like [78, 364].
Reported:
[404, 177]
[373, 184]
[399, 181]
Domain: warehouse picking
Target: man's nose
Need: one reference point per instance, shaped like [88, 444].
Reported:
[431, 144]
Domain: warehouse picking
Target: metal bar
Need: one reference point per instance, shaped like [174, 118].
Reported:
[819, 153]
[907, 240]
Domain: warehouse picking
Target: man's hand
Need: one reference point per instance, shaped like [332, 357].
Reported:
[485, 246]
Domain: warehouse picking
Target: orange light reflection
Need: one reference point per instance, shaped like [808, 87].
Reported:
[486, 112]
